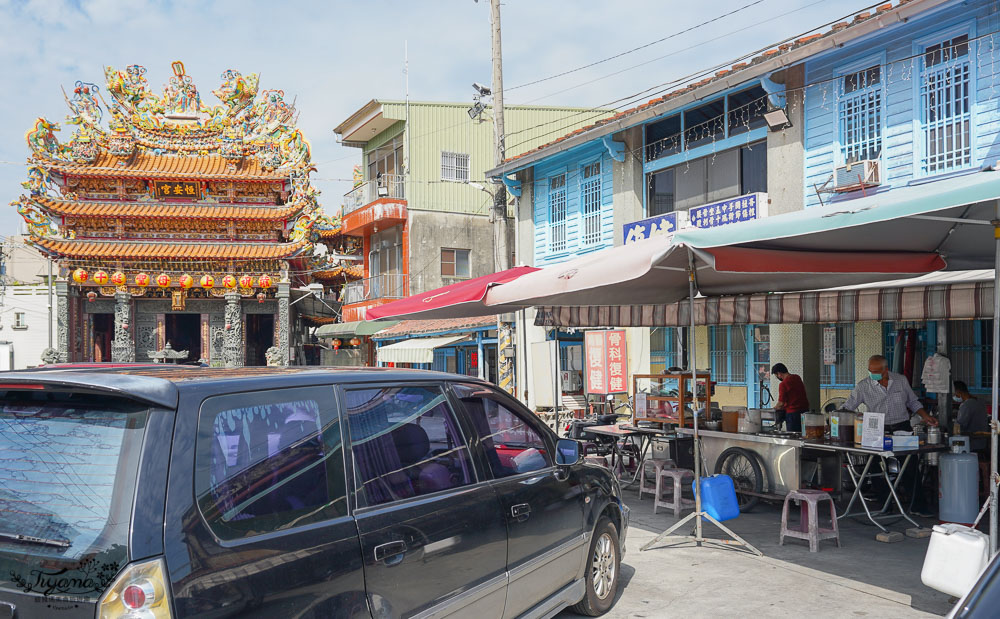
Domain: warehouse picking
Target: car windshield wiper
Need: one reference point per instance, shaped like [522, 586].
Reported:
[31, 539]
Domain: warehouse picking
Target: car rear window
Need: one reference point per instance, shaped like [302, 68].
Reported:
[68, 465]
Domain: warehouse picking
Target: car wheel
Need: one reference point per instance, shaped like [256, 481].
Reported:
[603, 567]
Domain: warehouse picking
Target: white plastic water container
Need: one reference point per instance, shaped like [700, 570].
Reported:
[955, 558]
[958, 488]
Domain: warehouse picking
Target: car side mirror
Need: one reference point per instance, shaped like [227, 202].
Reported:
[567, 452]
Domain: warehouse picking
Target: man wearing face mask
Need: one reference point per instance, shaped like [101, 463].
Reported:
[890, 393]
[886, 392]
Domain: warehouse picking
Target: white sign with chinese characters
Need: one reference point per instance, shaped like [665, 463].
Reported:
[829, 345]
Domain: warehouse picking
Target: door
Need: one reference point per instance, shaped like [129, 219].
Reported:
[433, 536]
[266, 530]
[546, 537]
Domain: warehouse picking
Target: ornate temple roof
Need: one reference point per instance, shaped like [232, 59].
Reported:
[173, 250]
[152, 166]
[139, 210]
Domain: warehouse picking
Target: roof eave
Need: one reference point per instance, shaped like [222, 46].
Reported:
[794, 56]
[358, 118]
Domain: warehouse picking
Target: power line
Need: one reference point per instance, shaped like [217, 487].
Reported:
[635, 49]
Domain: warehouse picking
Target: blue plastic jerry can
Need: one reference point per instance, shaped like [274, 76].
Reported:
[718, 497]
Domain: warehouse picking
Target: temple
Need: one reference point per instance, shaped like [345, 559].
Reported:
[175, 223]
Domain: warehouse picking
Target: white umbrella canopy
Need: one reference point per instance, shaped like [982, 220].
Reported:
[655, 271]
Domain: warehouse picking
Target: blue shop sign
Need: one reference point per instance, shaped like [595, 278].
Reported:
[734, 210]
[653, 226]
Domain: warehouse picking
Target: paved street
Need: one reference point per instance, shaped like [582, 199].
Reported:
[864, 578]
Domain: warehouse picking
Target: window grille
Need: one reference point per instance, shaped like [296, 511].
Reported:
[557, 213]
[860, 115]
[841, 372]
[454, 167]
[590, 190]
[945, 106]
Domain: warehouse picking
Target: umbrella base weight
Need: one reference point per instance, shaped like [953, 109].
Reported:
[918, 532]
[889, 537]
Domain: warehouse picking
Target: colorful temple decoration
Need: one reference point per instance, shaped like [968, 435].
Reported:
[205, 217]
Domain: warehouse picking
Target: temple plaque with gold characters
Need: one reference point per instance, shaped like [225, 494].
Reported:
[176, 189]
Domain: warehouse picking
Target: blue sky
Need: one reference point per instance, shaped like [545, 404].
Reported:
[333, 57]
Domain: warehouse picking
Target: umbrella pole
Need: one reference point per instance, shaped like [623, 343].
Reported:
[698, 537]
[996, 388]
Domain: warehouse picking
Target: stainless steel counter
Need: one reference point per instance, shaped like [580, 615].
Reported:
[780, 456]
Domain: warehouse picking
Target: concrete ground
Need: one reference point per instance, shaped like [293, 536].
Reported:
[863, 578]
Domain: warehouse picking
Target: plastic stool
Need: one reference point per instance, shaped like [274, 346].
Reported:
[809, 528]
[658, 465]
[677, 502]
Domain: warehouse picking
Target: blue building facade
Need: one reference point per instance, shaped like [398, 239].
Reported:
[920, 99]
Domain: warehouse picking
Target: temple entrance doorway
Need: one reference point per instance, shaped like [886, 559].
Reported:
[183, 331]
[104, 330]
[260, 337]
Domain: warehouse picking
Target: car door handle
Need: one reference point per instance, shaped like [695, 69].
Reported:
[390, 551]
[520, 512]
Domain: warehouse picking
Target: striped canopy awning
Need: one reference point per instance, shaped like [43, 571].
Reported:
[951, 301]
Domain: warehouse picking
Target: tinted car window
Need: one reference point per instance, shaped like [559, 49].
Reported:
[406, 443]
[268, 461]
[68, 466]
[512, 445]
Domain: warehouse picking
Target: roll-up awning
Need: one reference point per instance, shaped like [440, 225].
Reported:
[358, 327]
[417, 350]
[954, 300]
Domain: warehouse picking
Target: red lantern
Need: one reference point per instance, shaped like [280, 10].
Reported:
[355, 341]
[118, 279]
[91, 296]
[142, 279]
[336, 344]
[80, 276]
[186, 281]
[163, 280]
[246, 281]
[100, 278]
[229, 281]
[207, 281]
[264, 281]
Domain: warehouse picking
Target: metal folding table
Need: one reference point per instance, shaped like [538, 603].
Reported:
[640, 437]
[870, 456]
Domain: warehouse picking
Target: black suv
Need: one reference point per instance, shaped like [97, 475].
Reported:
[176, 492]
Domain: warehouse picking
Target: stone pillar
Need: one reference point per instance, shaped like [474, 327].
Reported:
[284, 323]
[62, 320]
[232, 344]
[122, 348]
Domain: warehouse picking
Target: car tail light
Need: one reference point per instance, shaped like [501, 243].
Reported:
[139, 592]
[21, 386]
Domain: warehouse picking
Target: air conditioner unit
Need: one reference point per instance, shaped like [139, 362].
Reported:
[857, 175]
[571, 380]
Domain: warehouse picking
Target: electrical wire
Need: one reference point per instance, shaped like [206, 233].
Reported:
[634, 49]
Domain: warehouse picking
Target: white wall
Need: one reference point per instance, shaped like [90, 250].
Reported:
[28, 341]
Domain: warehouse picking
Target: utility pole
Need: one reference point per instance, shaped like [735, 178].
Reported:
[502, 246]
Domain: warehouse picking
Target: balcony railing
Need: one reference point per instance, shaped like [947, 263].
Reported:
[387, 286]
[385, 186]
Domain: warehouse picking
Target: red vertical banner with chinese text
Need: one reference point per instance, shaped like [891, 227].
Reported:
[606, 361]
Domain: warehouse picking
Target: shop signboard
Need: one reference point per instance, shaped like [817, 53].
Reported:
[829, 345]
[606, 362]
[734, 210]
[659, 225]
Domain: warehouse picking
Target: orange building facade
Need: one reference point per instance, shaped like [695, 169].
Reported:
[178, 225]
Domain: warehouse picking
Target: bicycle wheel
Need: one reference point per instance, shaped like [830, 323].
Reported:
[742, 466]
